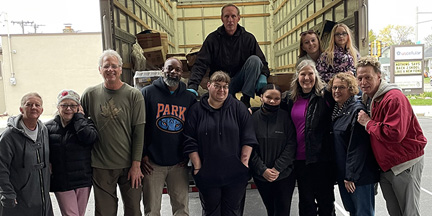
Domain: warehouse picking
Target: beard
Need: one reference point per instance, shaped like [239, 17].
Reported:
[171, 81]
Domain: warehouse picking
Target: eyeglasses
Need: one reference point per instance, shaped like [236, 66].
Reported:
[113, 66]
[310, 31]
[343, 34]
[341, 88]
[65, 106]
[218, 87]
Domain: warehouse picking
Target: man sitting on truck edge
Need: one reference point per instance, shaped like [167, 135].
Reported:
[234, 50]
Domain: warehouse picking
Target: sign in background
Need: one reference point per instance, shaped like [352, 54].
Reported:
[406, 67]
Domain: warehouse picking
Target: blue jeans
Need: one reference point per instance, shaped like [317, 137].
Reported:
[245, 80]
[361, 202]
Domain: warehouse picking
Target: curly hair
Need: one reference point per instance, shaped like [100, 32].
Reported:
[350, 81]
[295, 85]
[352, 50]
[370, 61]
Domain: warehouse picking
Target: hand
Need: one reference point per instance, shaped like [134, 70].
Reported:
[196, 171]
[135, 174]
[146, 166]
[193, 91]
[262, 81]
[270, 175]
[350, 186]
[363, 118]
[349, 72]
[81, 110]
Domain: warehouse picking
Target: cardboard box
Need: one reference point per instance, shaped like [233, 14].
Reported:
[144, 78]
[155, 57]
[191, 56]
[154, 39]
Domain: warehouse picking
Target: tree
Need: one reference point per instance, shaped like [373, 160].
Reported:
[395, 35]
[372, 36]
[428, 41]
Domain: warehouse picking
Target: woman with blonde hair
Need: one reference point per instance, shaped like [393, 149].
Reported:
[341, 54]
[310, 46]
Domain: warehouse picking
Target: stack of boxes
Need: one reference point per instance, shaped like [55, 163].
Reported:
[155, 47]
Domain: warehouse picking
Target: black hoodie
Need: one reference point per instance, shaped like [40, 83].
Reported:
[218, 136]
[221, 51]
[165, 115]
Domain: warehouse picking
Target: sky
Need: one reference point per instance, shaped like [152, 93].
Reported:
[84, 15]
[400, 12]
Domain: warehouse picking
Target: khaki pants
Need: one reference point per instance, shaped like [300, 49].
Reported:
[105, 183]
[177, 181]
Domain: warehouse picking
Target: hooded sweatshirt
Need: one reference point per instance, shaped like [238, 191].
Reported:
[227, 53]
[166, 115]
[218, 136]
[24, 171]
[395, 133]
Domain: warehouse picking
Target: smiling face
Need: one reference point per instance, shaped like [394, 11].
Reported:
[310, 44]
[32, 108]
[172, 71]
[230, 17]
[340, 91]
[110, 70]
[368, 80]
[271, 97]
[341, 37]
[306, 79]
[218, 91]
[67, 108]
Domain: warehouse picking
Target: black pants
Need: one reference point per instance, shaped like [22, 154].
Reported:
[316, 188]
[277, 195]
[227, 200]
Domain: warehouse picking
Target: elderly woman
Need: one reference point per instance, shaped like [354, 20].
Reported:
[313, 166]
[24, 162]
[71, 137]
[310, 46]
[219, 139]
[357, 169]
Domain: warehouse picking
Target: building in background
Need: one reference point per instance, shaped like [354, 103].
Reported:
[47, 63]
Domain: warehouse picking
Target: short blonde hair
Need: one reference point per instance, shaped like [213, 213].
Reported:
[349, 79]
[29, 95]
[370, 61]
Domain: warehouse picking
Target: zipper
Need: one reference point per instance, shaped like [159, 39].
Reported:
[41, 182]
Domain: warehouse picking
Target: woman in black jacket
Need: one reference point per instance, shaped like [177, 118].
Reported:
[71, 138]
[219, 140]
[310, 112]
[272, 162]
[357, 169]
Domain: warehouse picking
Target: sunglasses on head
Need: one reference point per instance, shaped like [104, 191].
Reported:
[310, 31]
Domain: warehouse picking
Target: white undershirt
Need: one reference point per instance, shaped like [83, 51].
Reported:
[31, 133]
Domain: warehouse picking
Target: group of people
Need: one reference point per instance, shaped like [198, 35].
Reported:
[321, 133]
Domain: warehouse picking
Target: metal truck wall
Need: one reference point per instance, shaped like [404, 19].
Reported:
[122, 20]
[295, 16]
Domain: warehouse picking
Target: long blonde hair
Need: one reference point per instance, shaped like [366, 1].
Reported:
[352, 50]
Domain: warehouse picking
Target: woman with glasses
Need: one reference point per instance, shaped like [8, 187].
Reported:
[340, 56]
[219, 139]
[310, 111]
[272, 162]
[310, 46]
[71, 137]
[357, 169]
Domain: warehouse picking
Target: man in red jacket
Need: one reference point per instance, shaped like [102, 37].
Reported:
[396, 138]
